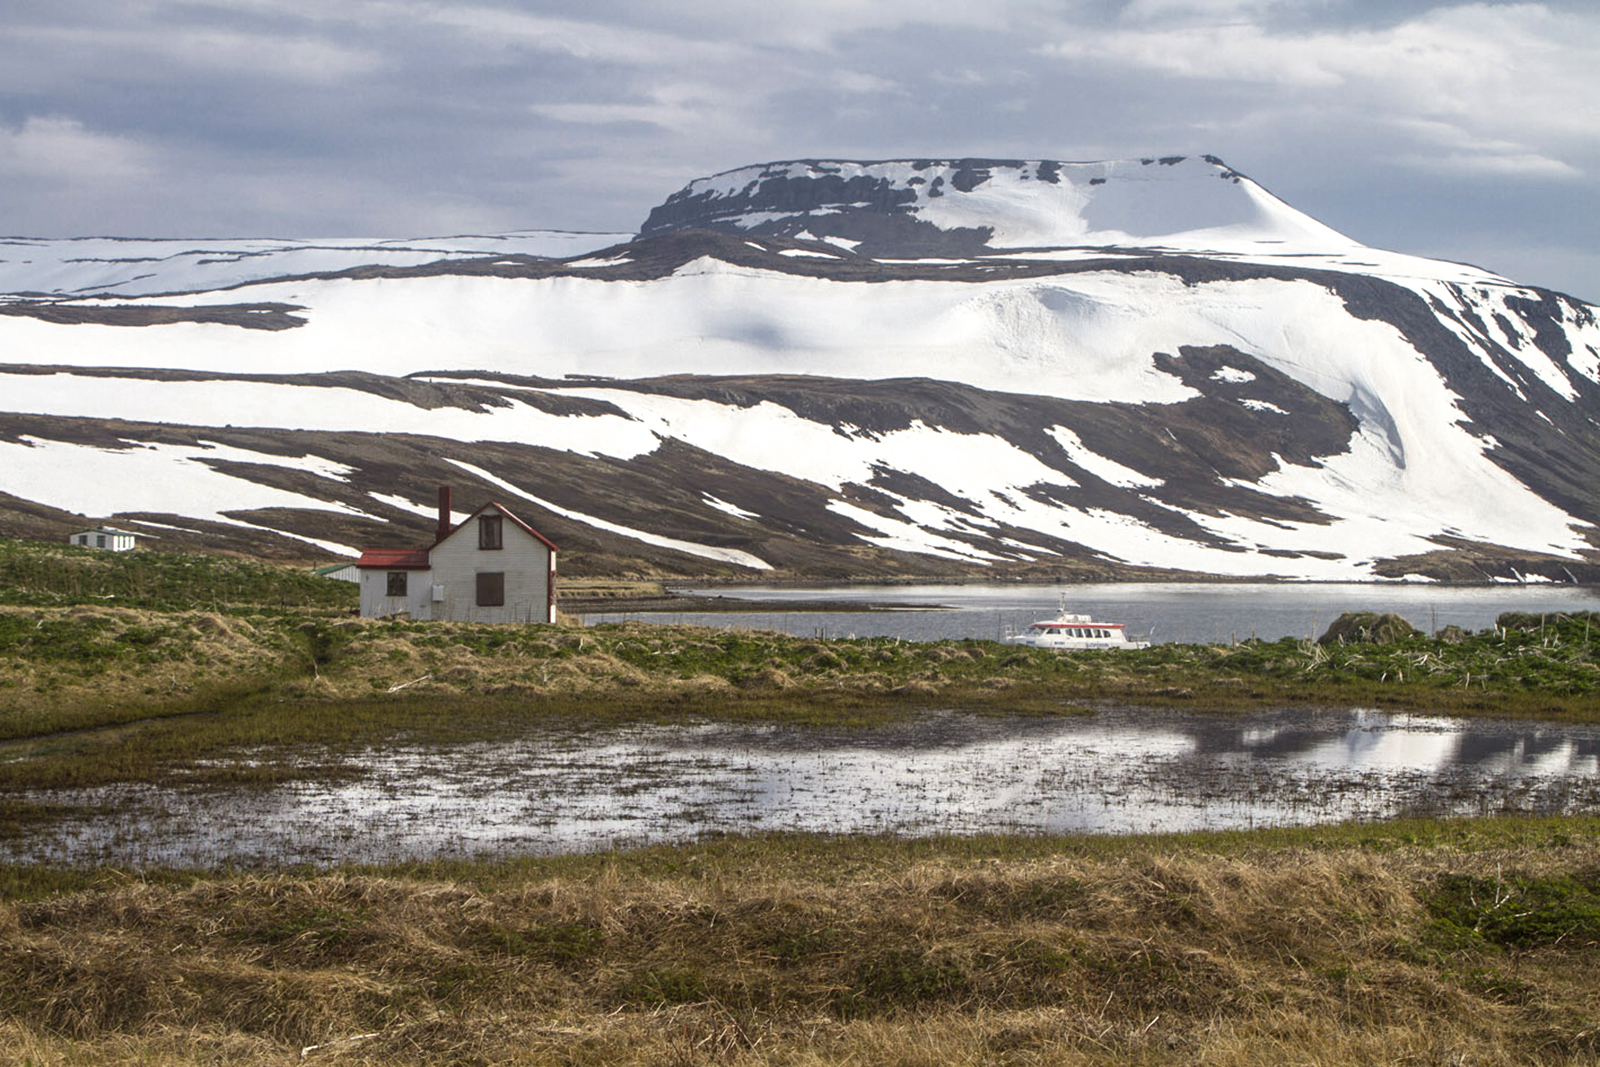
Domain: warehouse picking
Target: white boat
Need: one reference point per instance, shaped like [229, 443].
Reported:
[1075, 633]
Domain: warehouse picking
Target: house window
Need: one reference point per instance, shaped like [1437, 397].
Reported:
[99, 540]
[397, 583]
[489, 531]
[83, 539]
[491, 589]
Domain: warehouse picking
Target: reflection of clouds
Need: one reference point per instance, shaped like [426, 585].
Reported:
[1365, 738]
[1384, 750]
[565, 789]
[1534, 755]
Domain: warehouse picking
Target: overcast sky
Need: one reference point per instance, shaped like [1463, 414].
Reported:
[1468, 131]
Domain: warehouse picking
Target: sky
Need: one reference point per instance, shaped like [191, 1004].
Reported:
[1464, 131]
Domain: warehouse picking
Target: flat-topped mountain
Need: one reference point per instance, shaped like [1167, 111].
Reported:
[827, 369]
[971, 206]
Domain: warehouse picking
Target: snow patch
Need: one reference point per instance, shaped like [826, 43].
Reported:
[403, 504]
[726, 555]
[908, 537]
[732, 509]
[1101, 467]
[281, 405]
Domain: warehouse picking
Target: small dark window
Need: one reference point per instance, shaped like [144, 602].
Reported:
[99, 540]
[397, 583]
[489, 531]
[491, 589]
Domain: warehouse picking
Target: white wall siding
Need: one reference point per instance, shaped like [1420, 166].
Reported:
[376, 603]
[110, 540]
[525, 561]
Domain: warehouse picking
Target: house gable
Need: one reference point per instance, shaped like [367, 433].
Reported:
[470, 524]
[491, 567]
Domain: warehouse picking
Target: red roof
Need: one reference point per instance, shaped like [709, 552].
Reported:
[395, 559]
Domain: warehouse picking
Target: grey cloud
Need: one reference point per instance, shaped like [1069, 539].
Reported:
[298, 118]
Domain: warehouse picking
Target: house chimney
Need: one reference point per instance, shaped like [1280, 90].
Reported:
[444, 511]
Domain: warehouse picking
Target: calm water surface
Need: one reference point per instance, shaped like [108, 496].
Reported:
[1117, 771]
[1166, 611]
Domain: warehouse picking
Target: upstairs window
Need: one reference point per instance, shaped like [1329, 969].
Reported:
[489, 531]
[491, 589]
[397, 583]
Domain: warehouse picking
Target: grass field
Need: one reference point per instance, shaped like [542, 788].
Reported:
[91, 639]
[1455, 943]
[1409, 942]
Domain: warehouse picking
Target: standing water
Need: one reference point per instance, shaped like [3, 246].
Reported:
[580, 787]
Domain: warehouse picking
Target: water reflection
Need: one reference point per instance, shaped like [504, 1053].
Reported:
[1118, 771]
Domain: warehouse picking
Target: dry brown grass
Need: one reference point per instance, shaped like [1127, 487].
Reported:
[792, 952]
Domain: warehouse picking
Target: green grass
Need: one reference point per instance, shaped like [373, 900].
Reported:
[40, 575]
[96, 695]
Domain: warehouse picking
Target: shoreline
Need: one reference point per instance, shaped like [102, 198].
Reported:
[689, 604]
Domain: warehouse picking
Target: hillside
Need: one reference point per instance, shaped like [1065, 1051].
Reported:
[827, 370]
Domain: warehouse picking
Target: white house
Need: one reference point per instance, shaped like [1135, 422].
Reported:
[106, 537]
[491, 568]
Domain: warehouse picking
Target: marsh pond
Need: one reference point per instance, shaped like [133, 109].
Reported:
[568, 788]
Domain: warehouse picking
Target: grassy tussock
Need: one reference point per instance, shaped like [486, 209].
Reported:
[1335, 946]
[82, 666]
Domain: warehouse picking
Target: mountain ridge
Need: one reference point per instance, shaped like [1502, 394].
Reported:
[758, 397]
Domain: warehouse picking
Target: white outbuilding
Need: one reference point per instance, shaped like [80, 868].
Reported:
[107, 537]
[491, 568]
[339, 572]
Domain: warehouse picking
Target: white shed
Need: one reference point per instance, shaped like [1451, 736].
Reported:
[491, 568]
[339, 572]
[106, 537]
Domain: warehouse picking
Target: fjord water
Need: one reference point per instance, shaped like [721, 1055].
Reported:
[1166, 611]
[581, 787]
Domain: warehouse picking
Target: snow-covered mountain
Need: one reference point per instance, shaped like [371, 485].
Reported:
[823, 369]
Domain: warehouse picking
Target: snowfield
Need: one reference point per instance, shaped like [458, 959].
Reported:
[81, 266]
[1419, 467]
